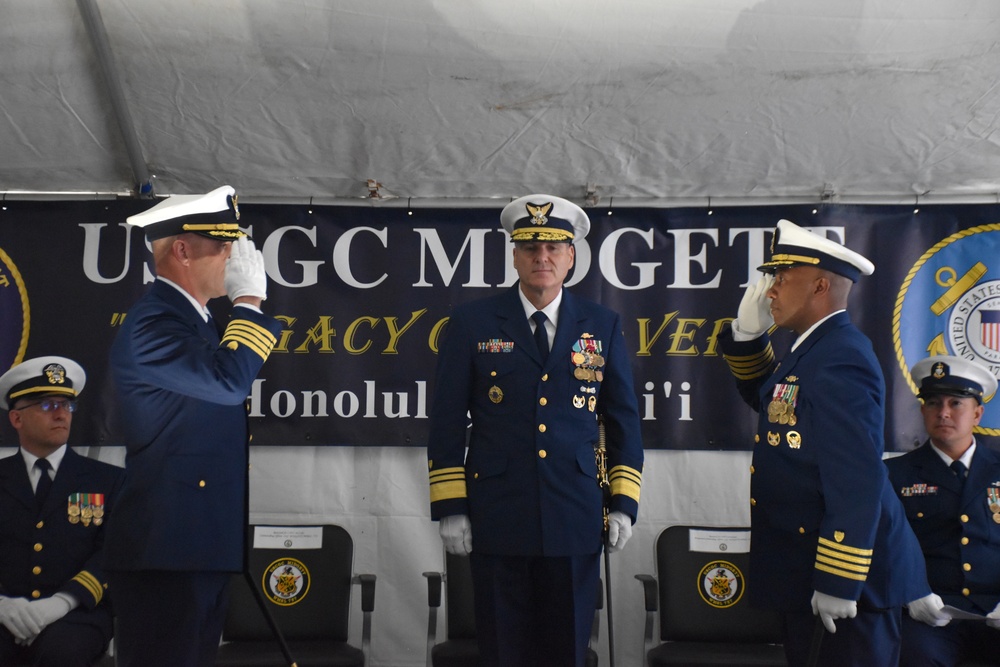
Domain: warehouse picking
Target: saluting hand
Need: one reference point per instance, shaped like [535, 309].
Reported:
[245, 274]
[754, 315]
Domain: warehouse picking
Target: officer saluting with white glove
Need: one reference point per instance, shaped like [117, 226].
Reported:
[828, 536]
[177, 536]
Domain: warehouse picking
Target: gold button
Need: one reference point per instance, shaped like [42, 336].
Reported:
[752, 471]
[250, 439]
[965, 540]
[920, 515]
[753, 502]
[38, 546]
[542, 453]
[201, 483]
[802, 530]
[475, 476]
[36, 594]
[966, 567]
[36, 570]
[543, 401]
[545, 378]
[493, 374]
[541, 428]
[39, 524]
[756, 438]
[965, 592]
[964, 518]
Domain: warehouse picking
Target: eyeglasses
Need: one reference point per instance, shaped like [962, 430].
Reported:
[52, 404]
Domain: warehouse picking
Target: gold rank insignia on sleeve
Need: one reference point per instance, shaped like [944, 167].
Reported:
[750, 367]
[447, 483]
[841, 560]
[244, 332]
[625, 481]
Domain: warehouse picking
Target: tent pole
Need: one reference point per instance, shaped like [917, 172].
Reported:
[99, 39]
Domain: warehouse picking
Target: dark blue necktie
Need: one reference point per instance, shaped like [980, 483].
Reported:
[541, 337]
[44, 481]
[959, 469]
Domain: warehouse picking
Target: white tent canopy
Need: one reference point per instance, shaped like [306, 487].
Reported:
[638, 100]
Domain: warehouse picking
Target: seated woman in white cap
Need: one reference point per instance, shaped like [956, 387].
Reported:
[950, 488]
[54, 608]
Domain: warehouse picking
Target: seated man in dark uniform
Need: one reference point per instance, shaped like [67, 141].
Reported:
[53, 503]
[950, 488]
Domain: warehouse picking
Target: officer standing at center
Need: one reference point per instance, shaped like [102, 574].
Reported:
[534, 366]
[828, 536]
[950, 489]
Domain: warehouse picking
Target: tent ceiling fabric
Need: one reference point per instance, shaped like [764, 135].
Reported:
[477, 99]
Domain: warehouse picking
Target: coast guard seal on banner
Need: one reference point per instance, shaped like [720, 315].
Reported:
[15, 315]
[950, 304]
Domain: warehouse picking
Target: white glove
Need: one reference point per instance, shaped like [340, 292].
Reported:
[828, 608]
[15, 617]
[619, 530]
[928, 610]
[993, 618]
[245, 274]
[49, 610]
[754, 315]
[456, 533]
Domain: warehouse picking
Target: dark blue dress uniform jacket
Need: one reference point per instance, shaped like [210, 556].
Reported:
[823, 515]
[955, 530]
[529, 482]
[41, 552]
[181, 397]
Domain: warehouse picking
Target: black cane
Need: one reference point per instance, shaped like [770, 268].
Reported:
[607, 589]
[262, 603]
[816, 642]
[602, 480]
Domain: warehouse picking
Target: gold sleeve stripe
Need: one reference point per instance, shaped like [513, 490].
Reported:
[843, 548]
[841, 573]
[842, 564]
[748, 368]
[844, 557]
[625, 481]
[90, 582]
[445, 490]
[257, 338]
[457, 470]
[447, 484]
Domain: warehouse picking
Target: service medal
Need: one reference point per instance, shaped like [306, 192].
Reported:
[773, 439]
[579, 401]
[996, 518]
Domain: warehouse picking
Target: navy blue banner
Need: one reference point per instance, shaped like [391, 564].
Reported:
[365, 292]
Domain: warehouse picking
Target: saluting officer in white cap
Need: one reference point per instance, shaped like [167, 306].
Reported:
[178, 533]
[950, 487]
[828, 537]
[54, 503]
[534, 366]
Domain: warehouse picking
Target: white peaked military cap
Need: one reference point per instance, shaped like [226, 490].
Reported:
[215, 215]
[794, 246]
[544, 218]
[41, 376]
[953, 376]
